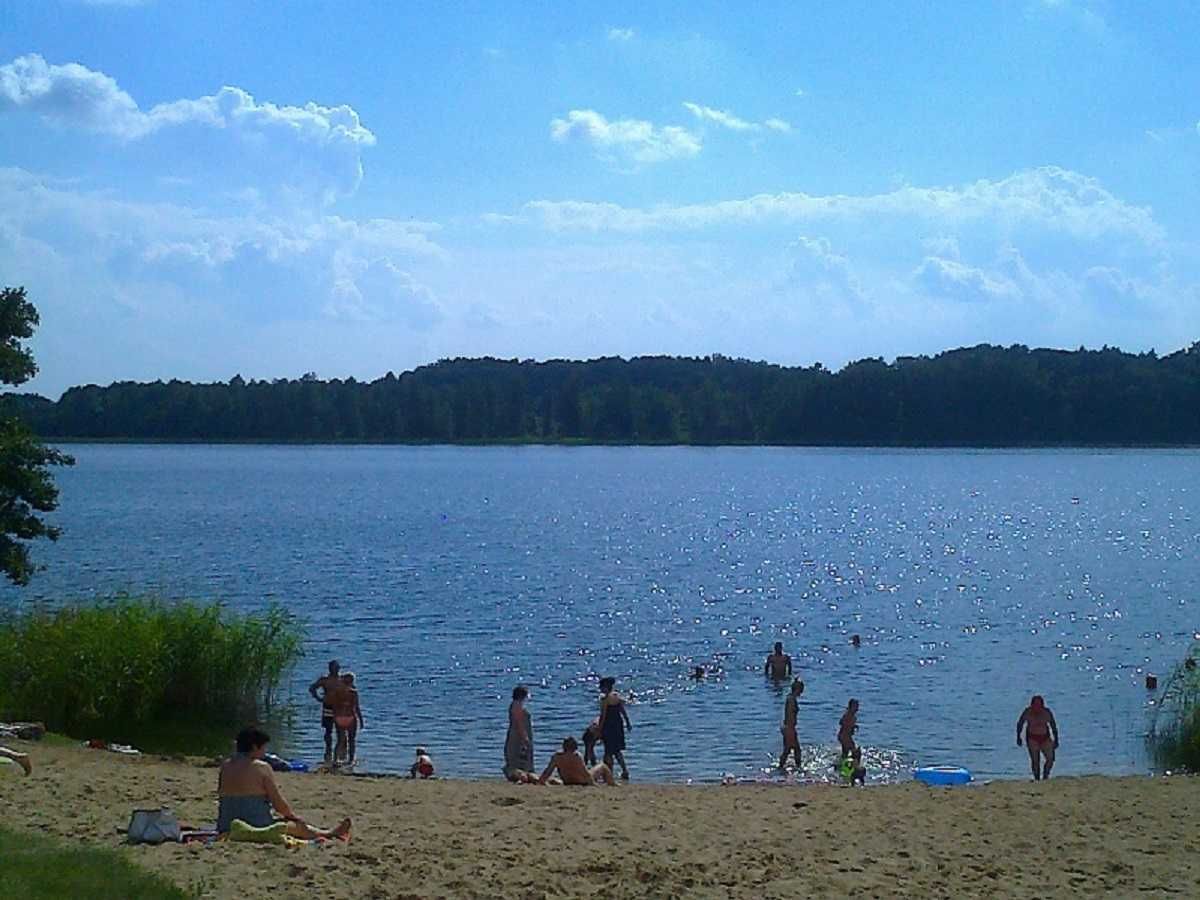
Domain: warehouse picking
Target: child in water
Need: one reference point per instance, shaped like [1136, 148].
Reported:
[852, 768]
[423, 766]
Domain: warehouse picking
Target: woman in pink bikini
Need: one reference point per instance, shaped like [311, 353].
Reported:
[1041, 736]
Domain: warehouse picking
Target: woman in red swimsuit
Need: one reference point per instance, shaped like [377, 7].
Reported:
[1041, 736]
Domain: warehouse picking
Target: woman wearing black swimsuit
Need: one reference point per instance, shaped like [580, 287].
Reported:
[613, 722]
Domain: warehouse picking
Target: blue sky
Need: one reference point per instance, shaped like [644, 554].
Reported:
[195, 190]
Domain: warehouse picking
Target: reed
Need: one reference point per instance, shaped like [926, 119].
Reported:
[131, 665]
[1174, 736]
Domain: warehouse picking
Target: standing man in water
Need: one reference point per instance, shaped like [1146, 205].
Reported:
[1039, 725]
[329, 686]
[779, 664]
[791, 710]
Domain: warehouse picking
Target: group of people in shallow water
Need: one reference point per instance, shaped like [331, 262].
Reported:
[1036, 724]
[341, 715]
[608, 728]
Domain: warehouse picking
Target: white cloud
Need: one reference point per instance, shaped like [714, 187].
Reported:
[1056, 199]
[958, 281]
[721, 117]
[620, 34]
[726, 119]
[330, 138]
[800, 92]
[822, 273]
[632, 139]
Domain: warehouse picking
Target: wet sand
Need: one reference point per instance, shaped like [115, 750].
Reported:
[1118, 837]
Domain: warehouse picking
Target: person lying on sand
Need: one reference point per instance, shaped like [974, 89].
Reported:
[1038, 723]
[21, 759]
[846, 728]
[779, 664]
[572, 770]
[246, 789]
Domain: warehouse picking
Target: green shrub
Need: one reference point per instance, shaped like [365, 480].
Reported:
[1175, 732]
[130, 664]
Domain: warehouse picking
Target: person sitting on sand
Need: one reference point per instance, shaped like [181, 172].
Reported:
[852, 768]
[21, 759]
[423, 766]
[1038, 722]
[779, 664]
[846, 728]
[327, 684]
[571, 768]
[348, 717]
[246, 789]
[791, 710]
[518, 743]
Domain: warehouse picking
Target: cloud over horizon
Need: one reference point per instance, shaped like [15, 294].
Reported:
[629, 140]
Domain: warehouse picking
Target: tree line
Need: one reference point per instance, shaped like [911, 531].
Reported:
[978, 396]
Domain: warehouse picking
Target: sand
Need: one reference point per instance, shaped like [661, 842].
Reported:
[1118, 837]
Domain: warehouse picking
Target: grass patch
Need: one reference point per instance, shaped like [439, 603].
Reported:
[1175, 732]
[168, 677]
[35, 867]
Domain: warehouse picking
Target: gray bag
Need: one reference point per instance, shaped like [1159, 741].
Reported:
[152, 826]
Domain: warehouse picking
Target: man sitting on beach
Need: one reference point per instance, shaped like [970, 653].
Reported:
[572, 770]
[1038, 722]
[328, 685]
[779, 664]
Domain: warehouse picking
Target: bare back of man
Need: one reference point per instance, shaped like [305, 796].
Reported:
[572, 770]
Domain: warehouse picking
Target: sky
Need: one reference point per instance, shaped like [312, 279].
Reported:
[196, 190]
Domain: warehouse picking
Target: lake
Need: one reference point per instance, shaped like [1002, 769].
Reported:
[445, 575]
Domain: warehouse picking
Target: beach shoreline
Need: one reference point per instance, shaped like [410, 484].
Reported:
[1106, 835]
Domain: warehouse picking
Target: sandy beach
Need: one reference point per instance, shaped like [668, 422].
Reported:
[1102, 836]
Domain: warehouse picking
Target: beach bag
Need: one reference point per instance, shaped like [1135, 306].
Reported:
[152, 826]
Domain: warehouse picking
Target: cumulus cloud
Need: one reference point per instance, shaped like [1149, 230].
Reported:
[819, 270]
[379, 290]
[635, 140]
[620, 34]
[726, 119]
[71, 95]
[958, 281]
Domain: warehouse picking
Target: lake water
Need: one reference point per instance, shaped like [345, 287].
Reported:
[443, 576]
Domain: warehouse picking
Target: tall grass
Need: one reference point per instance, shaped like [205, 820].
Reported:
[1175, 732]
[129, 665]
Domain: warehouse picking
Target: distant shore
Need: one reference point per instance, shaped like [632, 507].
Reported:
[1118, 836]
[571, 442]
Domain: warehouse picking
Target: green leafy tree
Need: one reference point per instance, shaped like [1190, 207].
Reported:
[26, 487]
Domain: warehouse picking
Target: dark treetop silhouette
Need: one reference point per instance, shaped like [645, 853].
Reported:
[978, 396]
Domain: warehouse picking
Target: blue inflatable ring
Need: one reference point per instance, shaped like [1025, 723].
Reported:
[942, 775]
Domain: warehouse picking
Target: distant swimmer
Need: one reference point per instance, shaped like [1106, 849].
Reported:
[1041, 736]
[779, 664]
[791, 710]
[571, 768]
[698, 673]
[846, 728]
[855, 641]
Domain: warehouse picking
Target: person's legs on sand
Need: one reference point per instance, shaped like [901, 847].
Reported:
[1048, 759]
[306, 832]
[327, 724]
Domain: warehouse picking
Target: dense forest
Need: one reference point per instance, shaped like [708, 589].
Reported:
[978, 396]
